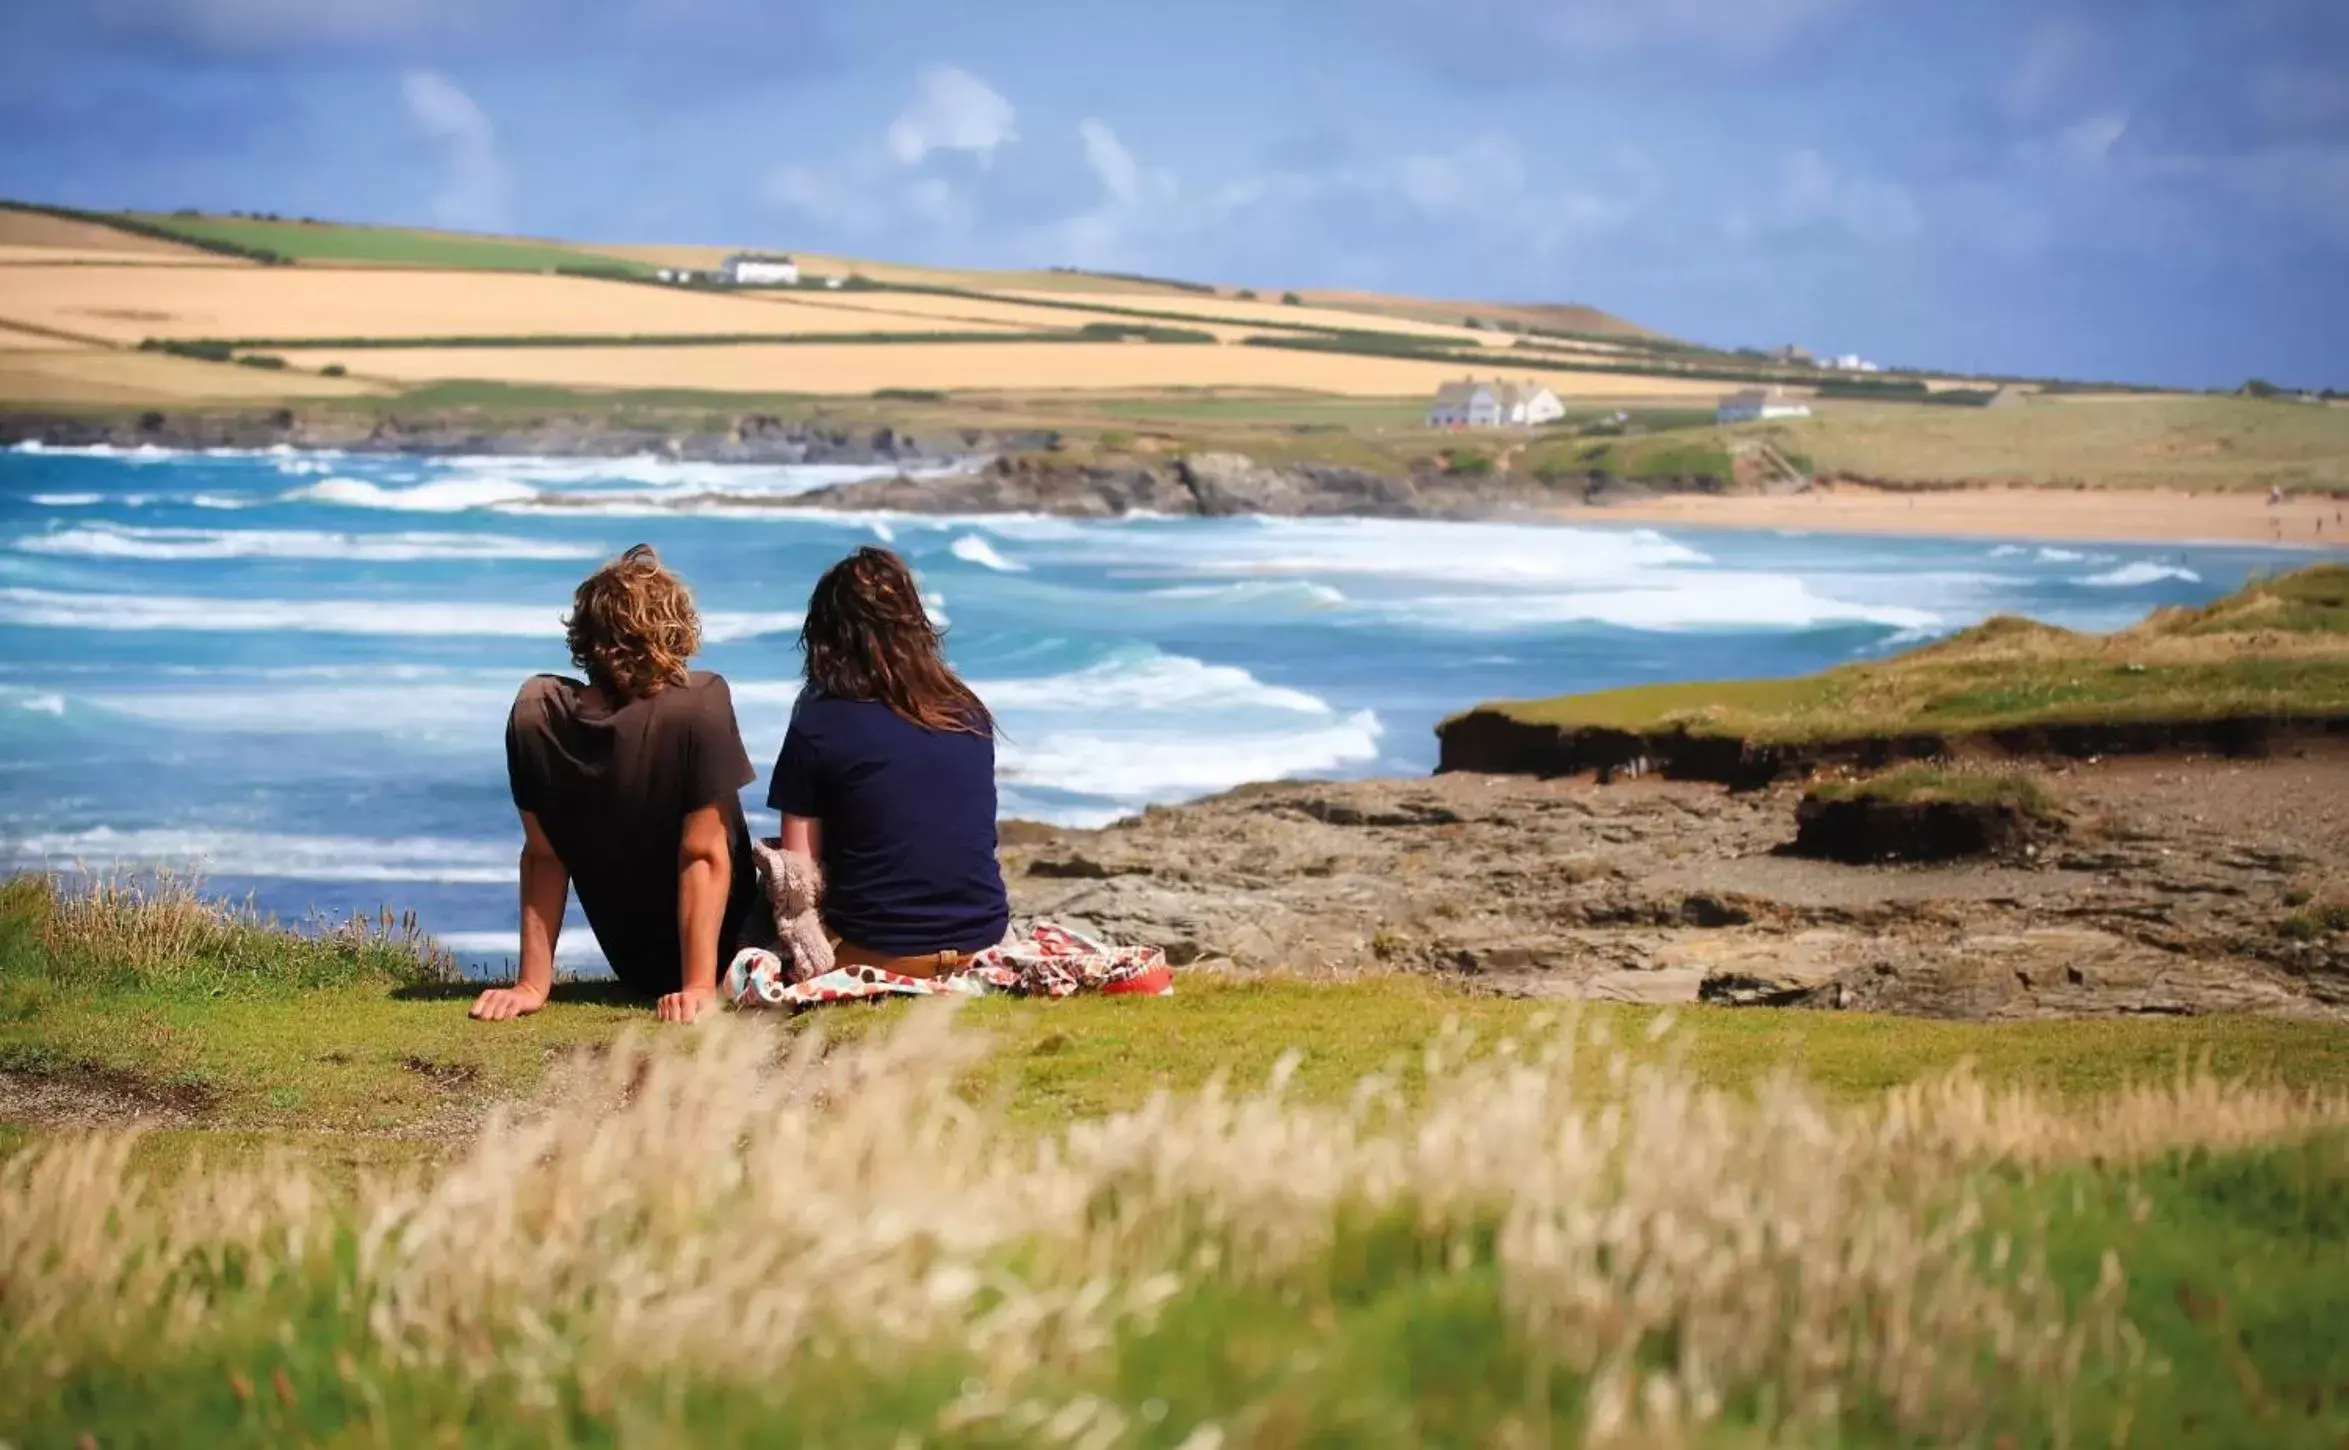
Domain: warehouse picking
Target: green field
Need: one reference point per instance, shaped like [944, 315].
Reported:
[395, 246]
[2276, 649]
[1260, 1213]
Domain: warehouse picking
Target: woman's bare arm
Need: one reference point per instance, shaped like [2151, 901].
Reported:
[546, 889]
[804, 834]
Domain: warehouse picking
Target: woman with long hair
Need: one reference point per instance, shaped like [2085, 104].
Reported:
[887, 777]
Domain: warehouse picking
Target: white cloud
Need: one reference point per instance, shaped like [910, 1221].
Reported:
[1812, 193]
[952, 110]
[1121, 175]
[2090, 141]
[473, 193]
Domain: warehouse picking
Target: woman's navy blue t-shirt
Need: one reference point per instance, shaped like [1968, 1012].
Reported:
[908, 825]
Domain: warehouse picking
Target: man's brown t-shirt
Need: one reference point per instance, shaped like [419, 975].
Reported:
[612, 788]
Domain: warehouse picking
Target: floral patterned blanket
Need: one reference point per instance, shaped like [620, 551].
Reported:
[1050, 961]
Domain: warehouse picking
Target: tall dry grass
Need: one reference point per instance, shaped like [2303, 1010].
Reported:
[162, 929]
[682, 1212]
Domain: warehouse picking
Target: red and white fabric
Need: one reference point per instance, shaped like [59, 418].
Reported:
[1050, 961]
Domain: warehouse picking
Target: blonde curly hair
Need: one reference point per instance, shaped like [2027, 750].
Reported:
[632, 626]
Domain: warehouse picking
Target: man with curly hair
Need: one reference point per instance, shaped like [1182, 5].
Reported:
[628, 786]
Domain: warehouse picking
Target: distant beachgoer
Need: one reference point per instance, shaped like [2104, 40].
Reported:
[887, 777]
[627, 784]
[2275, 495]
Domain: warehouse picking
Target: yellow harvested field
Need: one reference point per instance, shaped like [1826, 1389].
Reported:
[126, 304]
[1560, 316]
[1277, 313]
[941, 314]
[856, 368]
[34, 229]
[143, 377]
[17, 339]
[15, 255]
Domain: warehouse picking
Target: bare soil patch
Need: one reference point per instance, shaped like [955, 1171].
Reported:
[90, 1097]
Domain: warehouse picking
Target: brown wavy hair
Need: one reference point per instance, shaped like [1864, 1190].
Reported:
[867, 637]
[632, 626]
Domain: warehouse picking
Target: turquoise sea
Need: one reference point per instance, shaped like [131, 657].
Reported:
[289, 672]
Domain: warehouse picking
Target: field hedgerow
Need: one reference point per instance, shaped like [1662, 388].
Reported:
[719, 1240]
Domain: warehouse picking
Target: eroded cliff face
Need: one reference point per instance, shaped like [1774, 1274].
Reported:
[2171, 892]
[1489, 740]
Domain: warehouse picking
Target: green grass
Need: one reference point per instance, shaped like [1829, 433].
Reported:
[269, 1031]
[337, 1060]
[1928, 784]
[2175, 441]
[2270, 650]
[330, 242]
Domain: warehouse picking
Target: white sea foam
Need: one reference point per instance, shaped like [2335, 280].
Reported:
[223, 501]
[2060, 556]
[576, 947]
[67, 500]
[972, 549]
[118, 541]
[1679, 602]
[444, 496]
[883, 532]
[1146, 680]
[53, 609]
[39, 704]
[269, 855]
[2008, 551]
[1258, 592]
[1507, 555]
[2129, 576]
[1131, 767]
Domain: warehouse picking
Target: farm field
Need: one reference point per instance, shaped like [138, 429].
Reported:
[127, 304]
[18, 255]
[1281, 315]
[36, 229]
[395, 246]
[136, 379]
[2114, 441]
[990, 367]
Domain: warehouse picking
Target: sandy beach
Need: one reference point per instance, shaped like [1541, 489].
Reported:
[2115, 515]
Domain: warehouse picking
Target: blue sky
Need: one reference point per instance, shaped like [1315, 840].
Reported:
[2137, 189]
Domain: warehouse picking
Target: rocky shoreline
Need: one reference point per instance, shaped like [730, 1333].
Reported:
[965, 471]
[2171, 890]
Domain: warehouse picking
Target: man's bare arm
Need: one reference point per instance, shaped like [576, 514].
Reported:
[705, 875]
[546, 889]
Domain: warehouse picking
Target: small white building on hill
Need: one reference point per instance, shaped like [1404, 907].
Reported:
[757, 269]
[1472, 404]
[1758, 403]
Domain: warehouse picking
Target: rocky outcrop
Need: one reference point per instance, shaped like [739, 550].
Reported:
[2168, 896]
[747, 438]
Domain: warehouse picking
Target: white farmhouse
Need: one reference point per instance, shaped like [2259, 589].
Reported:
[1851, 362]
[755, 269]
[1471, 404]
[1760, 403]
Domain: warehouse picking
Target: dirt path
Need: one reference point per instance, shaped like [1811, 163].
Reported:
[2169, 894]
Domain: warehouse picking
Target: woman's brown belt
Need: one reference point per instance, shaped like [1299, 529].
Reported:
[925, 964]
